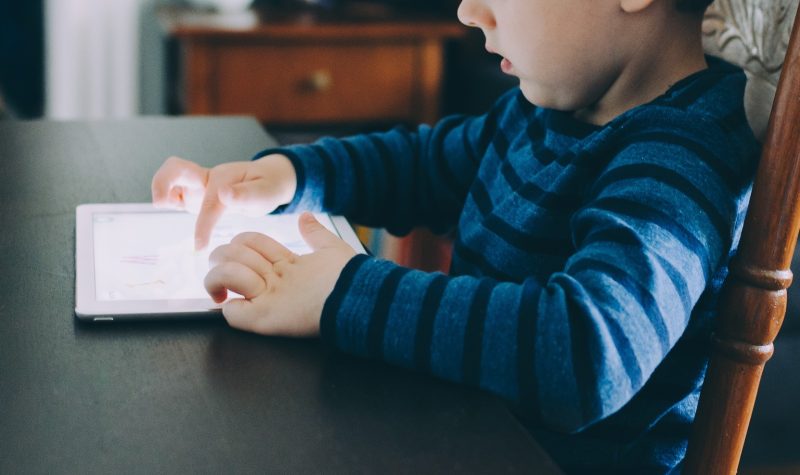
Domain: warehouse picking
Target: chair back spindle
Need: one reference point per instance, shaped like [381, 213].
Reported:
[753, 301]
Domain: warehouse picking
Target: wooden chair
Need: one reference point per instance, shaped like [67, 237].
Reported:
[755, 35]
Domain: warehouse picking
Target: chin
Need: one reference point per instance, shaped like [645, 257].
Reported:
[549, 98]
[541, 96]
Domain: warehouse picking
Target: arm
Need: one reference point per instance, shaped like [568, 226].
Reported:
[397, 179]
[575, 348]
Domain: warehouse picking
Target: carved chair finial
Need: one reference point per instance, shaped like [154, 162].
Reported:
[753, 34]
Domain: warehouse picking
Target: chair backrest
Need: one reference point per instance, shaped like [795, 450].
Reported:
[755, 35]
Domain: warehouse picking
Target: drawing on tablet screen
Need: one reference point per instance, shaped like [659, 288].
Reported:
[149, 260]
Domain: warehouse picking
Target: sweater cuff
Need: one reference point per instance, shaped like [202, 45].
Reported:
[306, 196]
[361, 277]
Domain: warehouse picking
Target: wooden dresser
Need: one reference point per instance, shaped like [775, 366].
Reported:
[360, 63]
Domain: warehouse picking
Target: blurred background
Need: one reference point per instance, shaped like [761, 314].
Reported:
[22, 58]
[74, 59]
[303, 68]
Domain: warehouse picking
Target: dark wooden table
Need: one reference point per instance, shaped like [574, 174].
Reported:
[198, 396]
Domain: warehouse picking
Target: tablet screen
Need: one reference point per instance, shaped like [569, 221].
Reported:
[151, 256]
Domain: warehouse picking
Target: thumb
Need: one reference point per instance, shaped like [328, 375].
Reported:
[315, 234]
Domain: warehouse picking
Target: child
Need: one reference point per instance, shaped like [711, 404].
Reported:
[595, 210]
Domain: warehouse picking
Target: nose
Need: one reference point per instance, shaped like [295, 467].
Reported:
[476, 13]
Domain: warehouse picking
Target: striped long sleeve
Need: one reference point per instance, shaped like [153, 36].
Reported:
[395, 180]
[586, 264]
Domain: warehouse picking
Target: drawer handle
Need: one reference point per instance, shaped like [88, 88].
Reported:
[320, 80]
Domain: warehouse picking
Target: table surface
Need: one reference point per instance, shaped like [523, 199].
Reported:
[193, 396]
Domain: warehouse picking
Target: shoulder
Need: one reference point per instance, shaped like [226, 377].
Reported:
[714, 91]
[702, 115]
[713, 95]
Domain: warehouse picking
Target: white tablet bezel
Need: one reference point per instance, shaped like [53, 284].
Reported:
[87, 307]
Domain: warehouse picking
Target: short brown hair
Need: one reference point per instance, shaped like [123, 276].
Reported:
[693, 5]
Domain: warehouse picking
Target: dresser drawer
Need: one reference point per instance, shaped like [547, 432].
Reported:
[305, 83]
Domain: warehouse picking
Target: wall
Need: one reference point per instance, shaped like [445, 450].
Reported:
[104, 59]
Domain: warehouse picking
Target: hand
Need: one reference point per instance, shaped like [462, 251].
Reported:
[251, 188]
[283, 293]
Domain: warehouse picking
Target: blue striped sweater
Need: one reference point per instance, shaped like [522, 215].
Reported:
[586, 265]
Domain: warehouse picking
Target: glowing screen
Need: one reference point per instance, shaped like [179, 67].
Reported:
[151, 256]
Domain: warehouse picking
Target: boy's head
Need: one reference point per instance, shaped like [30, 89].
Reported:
[575, 54]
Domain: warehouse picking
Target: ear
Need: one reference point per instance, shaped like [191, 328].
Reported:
[634, 6]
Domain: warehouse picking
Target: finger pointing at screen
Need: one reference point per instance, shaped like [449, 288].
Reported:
[210, 211]
[250, 188]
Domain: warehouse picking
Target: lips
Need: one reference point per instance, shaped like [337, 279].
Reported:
[505, 64]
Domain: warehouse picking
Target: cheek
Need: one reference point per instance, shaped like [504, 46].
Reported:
[566, 57]
[544, 55]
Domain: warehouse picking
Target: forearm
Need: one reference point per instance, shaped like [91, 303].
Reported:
[378, 180]
[551, 349]
[396, 179]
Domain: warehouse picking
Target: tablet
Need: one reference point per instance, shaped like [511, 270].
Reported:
[133, 261]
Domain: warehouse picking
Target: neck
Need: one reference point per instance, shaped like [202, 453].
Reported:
[667, 55]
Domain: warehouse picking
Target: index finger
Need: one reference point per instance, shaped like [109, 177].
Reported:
[210, 211]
